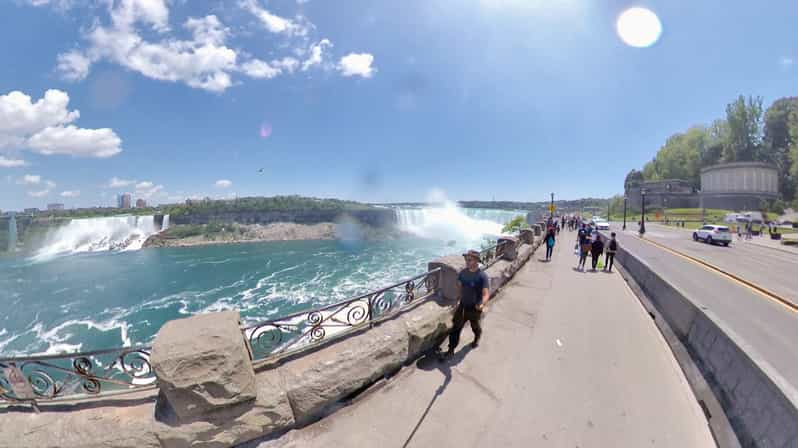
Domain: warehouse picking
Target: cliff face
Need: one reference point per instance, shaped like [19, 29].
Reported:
[374, 218]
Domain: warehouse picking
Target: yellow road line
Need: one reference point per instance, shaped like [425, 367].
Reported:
[750, 285]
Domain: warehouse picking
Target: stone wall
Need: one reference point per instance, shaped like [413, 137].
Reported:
[210, 396]
[761, 406]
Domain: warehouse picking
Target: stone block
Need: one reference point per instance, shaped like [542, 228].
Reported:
[237, 424]
[527, 236]
[202, 364]
[318, 380]
[509, 247]
[426, 326]
[450, 265]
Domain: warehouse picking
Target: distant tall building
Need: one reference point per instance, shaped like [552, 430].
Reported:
[31, 211]
[55, 207]
[123, 200]
[141, 203]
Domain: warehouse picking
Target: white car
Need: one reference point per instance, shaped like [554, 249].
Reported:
[602, 225]
[713, 234]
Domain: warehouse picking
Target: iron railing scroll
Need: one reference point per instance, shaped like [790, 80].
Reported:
[37, 379]
[490, 255]
[289, 334]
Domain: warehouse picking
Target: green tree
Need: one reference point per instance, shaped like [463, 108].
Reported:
[744, 118]
[633, 179]
[515, 224]
[780, 137]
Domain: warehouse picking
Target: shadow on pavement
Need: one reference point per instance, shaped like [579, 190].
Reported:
[432, 361]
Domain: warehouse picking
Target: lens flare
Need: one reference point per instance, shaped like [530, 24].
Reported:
[265, 130]
[638, 27]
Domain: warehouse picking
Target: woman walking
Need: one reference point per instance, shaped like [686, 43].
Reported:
[550, 240]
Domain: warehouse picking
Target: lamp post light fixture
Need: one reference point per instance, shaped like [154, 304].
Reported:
[624, 212]
[643, 214]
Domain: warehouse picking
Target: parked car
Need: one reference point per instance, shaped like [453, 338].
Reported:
[602, 225]
[713, 234]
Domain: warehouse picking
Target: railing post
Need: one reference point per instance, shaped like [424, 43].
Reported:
[371, 311]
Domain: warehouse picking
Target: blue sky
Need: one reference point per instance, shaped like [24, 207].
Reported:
[364, 100]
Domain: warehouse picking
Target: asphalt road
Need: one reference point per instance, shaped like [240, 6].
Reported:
[769, 328]
[772, 269]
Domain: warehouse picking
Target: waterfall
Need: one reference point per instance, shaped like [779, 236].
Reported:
[119, 233]
[165, 224]
[449, 222]
[12, 232]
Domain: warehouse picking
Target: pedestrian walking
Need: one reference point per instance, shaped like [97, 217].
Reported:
[474, 294]
[550, 240]
[596, 251]
[584, 249]
[612, 247]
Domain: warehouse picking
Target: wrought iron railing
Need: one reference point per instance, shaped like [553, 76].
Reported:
[491, 254]
[35, 379]
[76, 376]
[289, 334]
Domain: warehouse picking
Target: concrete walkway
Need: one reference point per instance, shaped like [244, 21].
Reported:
[568, 359]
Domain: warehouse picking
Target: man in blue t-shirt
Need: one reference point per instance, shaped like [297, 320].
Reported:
[474, 294]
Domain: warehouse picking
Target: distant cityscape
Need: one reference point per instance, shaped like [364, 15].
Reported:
[124, 200]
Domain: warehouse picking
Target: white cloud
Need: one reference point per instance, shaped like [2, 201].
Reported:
[275, 23]
[36, 180]
[75, 141]
[786, 61]
[316, 54]
[20, 116]
[147, 189]
[357, 64]
[223, 183]
[116, 182]
[70, 193]
[30, 179]
[259, 69]
[152, 12]
[44, 126]
[5, 162]
[204, 62]
[39, 193]
[73, 65]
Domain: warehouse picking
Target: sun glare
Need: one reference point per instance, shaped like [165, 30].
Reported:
[638, 27]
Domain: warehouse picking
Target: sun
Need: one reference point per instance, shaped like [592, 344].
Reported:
[638, 27]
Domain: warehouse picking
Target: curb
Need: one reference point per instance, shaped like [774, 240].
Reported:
[719, 425]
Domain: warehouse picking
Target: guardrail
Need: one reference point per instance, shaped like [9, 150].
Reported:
[296, 332]
[34, 379]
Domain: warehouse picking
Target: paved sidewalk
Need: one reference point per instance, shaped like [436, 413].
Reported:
[568, 359]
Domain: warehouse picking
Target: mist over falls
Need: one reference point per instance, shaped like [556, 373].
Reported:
[114, 233]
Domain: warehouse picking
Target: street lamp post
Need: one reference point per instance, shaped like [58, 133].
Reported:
[643, 215]
[624, 213]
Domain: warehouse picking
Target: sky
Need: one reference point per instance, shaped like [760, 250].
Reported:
[373, 101]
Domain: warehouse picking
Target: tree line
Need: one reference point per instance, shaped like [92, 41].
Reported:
[748, 133]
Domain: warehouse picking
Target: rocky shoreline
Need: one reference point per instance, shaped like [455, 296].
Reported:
[278, 231]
